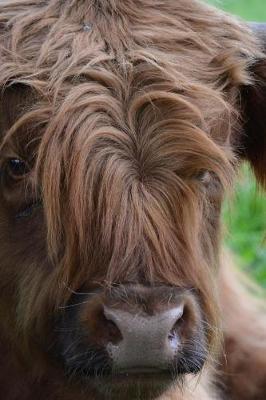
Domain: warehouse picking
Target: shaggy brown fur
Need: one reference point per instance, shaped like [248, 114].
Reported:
[132, 117]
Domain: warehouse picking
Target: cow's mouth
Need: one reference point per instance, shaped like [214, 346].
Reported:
[137, 383]
[144, 388]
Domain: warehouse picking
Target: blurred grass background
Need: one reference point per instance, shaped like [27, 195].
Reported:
[252, 10]
[245, 220]
[245, 215]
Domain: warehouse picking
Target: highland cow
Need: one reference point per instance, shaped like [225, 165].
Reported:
[123, 123]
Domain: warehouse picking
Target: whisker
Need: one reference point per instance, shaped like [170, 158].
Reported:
[73, 305]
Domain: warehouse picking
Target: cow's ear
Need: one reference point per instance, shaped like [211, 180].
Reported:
[254, 96]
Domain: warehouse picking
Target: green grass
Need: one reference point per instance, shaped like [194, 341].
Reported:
[245, 217]
[252, 10]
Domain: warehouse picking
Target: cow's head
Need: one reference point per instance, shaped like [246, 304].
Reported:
[121, 130]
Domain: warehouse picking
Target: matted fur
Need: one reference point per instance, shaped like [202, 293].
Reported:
[123, 106]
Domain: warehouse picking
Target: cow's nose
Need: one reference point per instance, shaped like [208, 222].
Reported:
[147, 342]
[137, 329]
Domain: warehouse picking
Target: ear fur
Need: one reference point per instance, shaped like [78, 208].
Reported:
[254, 139]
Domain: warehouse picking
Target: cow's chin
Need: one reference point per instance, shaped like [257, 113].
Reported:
[135, 387]
[140, 385]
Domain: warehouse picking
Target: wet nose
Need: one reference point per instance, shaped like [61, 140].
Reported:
[140, 329]
[147, 342]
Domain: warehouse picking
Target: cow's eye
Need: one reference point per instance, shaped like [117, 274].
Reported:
[28, 210]
[16, 168]
[204, 177]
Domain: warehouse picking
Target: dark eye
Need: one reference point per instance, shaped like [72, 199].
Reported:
[28, 210]
[204, 176]
[16, 168]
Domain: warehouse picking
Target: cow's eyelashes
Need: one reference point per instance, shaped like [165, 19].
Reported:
[204, 176]
[28, 210]
[16, 168]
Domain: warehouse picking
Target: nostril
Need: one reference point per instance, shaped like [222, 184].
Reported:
[174, 340]
[102, 328]
[113, 333]
[175, 333]
[172, 335]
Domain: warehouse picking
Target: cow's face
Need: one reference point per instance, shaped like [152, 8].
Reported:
[115, 232]
[111, 187]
